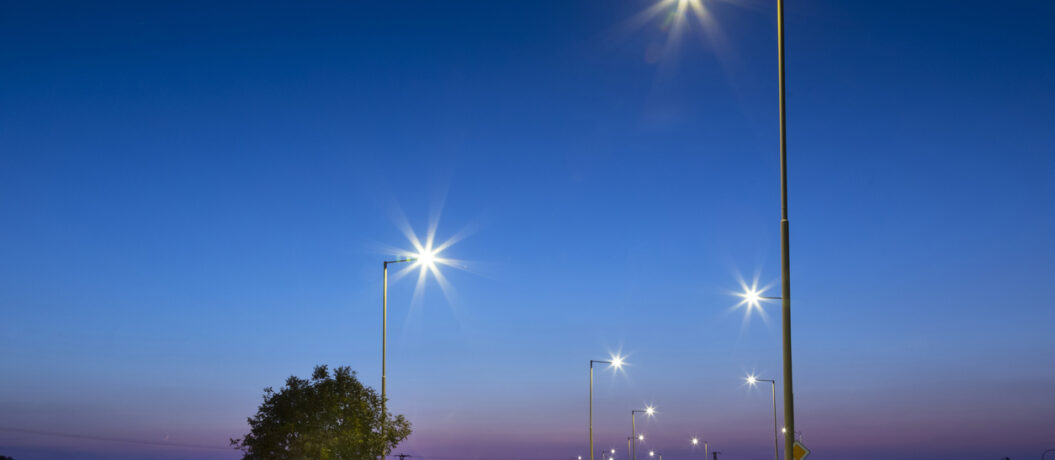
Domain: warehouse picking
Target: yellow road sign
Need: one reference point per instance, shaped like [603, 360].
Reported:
[799, 451]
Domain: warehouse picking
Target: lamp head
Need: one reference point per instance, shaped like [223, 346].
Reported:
[752, 296]
[650, 410]
[617, 361]
[427, 257]
[695, 441]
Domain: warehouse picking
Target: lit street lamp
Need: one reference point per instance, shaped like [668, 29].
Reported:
[650, 411]
[427, 259]
[616, 362]
[785, 239]
[752, 380]
[696, 442]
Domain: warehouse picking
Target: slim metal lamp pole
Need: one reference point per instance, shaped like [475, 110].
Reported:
[591, 401]
[785, 257]
[776, 449]
[384, 340]
[633, 429]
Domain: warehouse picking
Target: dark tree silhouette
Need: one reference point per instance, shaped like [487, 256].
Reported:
[328, 417]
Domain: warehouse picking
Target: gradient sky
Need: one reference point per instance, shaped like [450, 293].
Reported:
[195, 200]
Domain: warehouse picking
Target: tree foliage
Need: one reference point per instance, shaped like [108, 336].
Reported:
[331, 416]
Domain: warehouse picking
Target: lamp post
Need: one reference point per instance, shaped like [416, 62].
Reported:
[785, 256]
[616, 362]
[650, 411]
[696, 442]
[752, 380]
[425, 258]
[785, 239]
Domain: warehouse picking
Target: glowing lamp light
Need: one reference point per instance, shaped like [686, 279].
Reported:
[752, 296]
[751, 380]
[651, 453]
[695, 441]
[617, 361]
[650, 410]
[427, 258]
[640, 437]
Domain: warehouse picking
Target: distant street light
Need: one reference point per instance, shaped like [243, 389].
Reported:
[696, 442]
[648, 410]
[752, 380]
[616, 362]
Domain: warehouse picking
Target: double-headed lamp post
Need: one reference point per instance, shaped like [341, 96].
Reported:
[648, 410]
[615, 362]
[752, 380]
[696, 442]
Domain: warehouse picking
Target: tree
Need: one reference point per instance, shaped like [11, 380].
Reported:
[328, 417]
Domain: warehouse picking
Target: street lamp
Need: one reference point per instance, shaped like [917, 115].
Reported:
[426, 258]
[752, 380]
[696, 442]
[616, 362]
[785, 255]
[648, 410]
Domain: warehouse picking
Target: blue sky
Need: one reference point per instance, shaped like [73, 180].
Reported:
[196, 200]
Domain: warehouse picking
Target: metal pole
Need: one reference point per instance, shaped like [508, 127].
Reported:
[384, 341]
[628, 440]
[591, 409]
[776, 450]
[785, 257]
[633, 435]
[704, 450]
